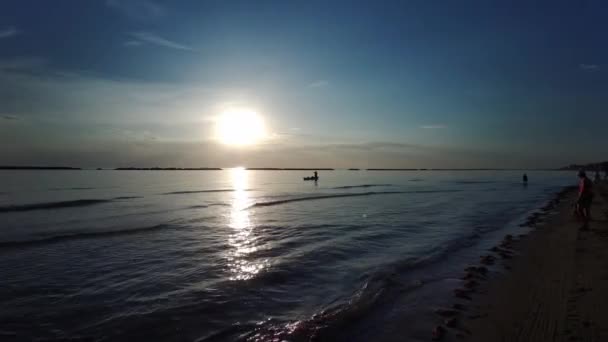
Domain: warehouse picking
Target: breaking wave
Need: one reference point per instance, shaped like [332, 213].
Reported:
[80, 235]
[200, 191]
[321, 197]
[53, 205]
[361, 186]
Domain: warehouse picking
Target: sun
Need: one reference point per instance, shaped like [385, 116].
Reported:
[240, 127]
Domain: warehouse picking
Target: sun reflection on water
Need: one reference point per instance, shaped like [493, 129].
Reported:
[243, 239]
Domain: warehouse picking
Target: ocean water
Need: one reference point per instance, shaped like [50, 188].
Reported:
[238, 255]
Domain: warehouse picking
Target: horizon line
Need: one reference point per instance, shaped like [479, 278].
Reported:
[156, 168]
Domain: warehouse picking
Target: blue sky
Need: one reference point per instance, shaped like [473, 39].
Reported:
[339, 83]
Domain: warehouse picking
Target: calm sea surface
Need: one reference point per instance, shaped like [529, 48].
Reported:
[246, 255]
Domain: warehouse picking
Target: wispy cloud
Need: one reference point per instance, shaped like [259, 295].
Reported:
[9, 32]
[138, 9]
[433, 126]
[8, 117]
[589, 67]
[155, 39]
[31, 87]
[319, 84]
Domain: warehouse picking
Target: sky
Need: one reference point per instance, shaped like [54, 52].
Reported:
[366, 84]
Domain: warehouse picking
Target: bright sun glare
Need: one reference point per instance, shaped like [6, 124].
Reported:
[240, 127]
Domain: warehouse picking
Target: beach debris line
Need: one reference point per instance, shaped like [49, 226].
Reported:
[438, 333]
[446, 312]
[451, 322]
[477, 269]
[471, 284]
[487, 260]
[462, 293]
[475, 274]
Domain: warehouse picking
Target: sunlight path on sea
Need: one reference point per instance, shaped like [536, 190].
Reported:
[243, 239]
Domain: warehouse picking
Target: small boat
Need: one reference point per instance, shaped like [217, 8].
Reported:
[311, 178]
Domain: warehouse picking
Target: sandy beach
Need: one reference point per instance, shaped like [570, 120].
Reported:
[548, 285]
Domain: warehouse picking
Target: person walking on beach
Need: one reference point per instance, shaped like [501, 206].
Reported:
[585, 197]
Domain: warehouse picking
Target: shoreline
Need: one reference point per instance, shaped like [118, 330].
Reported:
[130, 168]
[544, 285]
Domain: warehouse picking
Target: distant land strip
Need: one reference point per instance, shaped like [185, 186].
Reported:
[396, 169]
[38, 168]
[600, 166]
[168, 168]
[485, 169]
[603, 166]
[288, 169]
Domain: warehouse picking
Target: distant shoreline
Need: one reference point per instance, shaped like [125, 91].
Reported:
[39, 168]
[165, 169]
[259, 169]
[287, 169]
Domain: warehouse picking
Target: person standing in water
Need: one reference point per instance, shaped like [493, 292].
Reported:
[585, 197]
[316, 175]
[525, 178]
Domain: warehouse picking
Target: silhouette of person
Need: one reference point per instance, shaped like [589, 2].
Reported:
[316, 175]
[525, 178]
[596, 178]
[585, 197]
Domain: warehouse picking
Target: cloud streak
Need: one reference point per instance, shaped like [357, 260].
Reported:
[9, 32]
[43, 95]
[589, 67]
[433, 126]
[155, 39]
[8, 117]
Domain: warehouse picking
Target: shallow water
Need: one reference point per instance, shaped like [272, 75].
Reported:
[245, 255]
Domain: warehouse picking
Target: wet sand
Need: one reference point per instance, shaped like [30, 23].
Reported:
[549, 285]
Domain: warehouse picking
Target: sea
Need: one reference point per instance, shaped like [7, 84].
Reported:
[243, 255]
